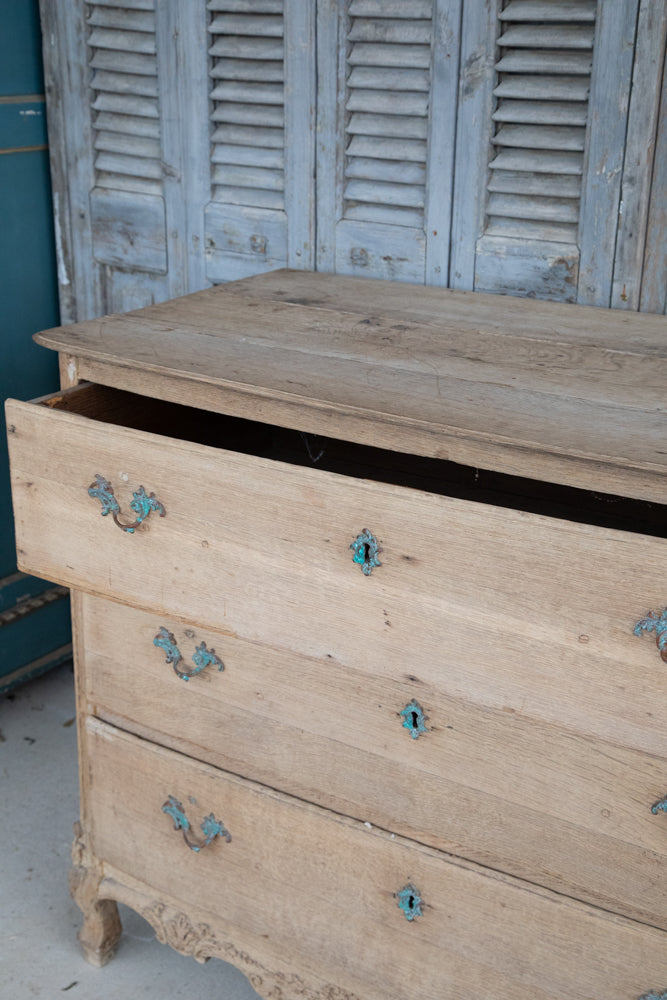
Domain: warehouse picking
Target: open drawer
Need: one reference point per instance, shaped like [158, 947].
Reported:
[512, 610]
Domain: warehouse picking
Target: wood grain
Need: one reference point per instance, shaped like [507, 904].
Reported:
[572, 395]
[535, 791]
[515, 610]
[300, 875]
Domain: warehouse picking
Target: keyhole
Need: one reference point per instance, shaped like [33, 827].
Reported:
[366, 551]
[411, 902]
[415, 720]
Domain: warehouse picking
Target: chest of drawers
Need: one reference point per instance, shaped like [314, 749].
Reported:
[370, 700]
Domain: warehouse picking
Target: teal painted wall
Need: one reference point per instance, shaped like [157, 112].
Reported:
[29, 303]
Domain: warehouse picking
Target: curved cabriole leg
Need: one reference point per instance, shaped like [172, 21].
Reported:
[101, 928]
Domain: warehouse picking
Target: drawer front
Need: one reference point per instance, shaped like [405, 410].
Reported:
[295, 873]
[512, 611]
[566, 811]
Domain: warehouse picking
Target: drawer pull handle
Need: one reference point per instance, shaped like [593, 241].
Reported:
[410, 902]
[143, 503]
[365, 551]
[658, 624]
[201, 657]
[660, 807]
[414, 719]
[211, 827]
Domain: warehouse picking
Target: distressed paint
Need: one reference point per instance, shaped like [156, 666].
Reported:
[365, 550]
[410, 902]
[202, 657]
[210, 826]
[658, 624]
[143, 504]
[414, 719]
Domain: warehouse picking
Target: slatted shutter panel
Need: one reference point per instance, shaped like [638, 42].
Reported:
[542, 87]
[383, 132]
[540, 146]
[261, 212]
[127, 203]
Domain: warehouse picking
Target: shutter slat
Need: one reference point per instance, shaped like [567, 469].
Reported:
[118, 163]
[125, 62]
[547, 209]
[251, 197]
[391, 8]
[121, 17]
[237, 47]
[372, 78]
[124, 83]
[397, 171]
[537, 137]
[381, 193]
[411, 56]
[524, 182]
[538, 61]
[527, 229]
[538, 160]
[249, 177]
[246, 6]
[248, 69]
[549, 10]
[252, 156]
[388, 102]
[388, 125]
[128, 145]
[544, 88]
[123, 41]
[547, 37]
[252, 93]
[129, 4]
[118, 182]
[249, 114]
[143, 106]
[391, 215]
[541, 112]
[388, 149]
[127, 124]
[264, 26]
[382, 29]
[249, 135]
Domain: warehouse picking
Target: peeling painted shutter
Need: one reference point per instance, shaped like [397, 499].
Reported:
[261, 211]
[127, 204]
[381, 141]
[542, 117]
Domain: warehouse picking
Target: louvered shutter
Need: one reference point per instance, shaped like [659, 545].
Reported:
[540, 143]
[384, 135]
[261, 212]
[127, 203]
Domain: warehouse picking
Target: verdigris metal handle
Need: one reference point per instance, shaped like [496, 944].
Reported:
[660, 807]
[143, 503]
[409, 901]
[365, 551]
[654, 995]
[201, 657]
[658, 624]
[210, 827]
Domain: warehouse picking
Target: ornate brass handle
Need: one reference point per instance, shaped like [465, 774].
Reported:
[658, 624]
[365, 551]
[210, 827]
[201, 657]
[660, 807]
[143, 503]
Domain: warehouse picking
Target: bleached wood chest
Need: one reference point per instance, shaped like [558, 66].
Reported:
[370, 636]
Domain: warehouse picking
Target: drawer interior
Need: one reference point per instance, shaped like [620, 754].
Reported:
[445, 478]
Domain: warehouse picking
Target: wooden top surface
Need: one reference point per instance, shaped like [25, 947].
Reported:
[547, 390]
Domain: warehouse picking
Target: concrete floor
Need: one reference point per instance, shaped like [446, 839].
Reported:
[39, 952]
